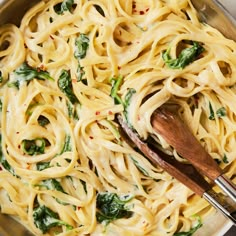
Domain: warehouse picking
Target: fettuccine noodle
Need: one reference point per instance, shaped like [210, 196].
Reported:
[66, 72]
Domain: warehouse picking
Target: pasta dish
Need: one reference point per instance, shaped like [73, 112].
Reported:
[66, 72]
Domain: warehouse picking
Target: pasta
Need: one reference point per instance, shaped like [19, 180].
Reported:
[66, 72]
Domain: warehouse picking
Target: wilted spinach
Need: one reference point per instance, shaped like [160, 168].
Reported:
[45, 219]
[1, 77]
[26, 73]
[186, 56]
[34, 146]
[52, 184]
[42, 165]
[116, 83]
[43, 121]
[81, 46]
[3, 160]
[66, 5]
[65, 85]
[99, 9]
[192, 230]
[67, 145]
[111, 207]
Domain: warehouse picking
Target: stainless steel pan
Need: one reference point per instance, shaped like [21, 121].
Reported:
[220, 14]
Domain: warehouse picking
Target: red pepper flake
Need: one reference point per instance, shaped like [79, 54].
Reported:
[17, 132]
[147, 9]
[19, 146]
[42, 67]
[119, 67]
[110, 112]
[141, 12]
[0, 168]
[78, 208]
[51, 37]
[91, 137]
[97, 113]
[134, 5]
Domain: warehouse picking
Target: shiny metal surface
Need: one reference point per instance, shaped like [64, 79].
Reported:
[221, 203]
[227, 186]
[218, 13]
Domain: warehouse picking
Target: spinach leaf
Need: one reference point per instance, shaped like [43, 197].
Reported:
[116, 83]
[84, 185]
[81, 46]
[45, 219]
[34, 146]
[142, 170]
[99, 9]
[66, 5]
[1, 77]
[225, 159]
[0, 105]
[65, 85]
[191, 231]
[128, 97]
[4, 162]
[42, 165]
[221, 112]
[186, 56]
[26, 73]
[80, 73]
[67, 145]
[212, 114]
[111, 207]
[43, 121]
[53, 184]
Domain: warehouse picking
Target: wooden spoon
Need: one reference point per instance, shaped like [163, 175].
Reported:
[167, 123]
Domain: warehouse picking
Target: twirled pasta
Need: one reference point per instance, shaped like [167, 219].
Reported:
[61, 146]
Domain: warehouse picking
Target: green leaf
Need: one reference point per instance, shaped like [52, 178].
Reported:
[45, 219]
[186, 56]
[43, 121]
[42, 165]
[99, 9]
[3, 160]
[221, 112]
[81, 46]
[66, 5]
[191, 231]
[65, 85]
[53, 184]
[111, 207]
[34, 146]
[212, 114]
[1, 77]
[116, 83]
[0, 105]
[67, 145]
[26, 73]
[127, 101]
[225, 159]
[142, 170]
[80, 73]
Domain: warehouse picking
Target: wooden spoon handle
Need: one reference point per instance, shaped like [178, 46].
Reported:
[185, 173]
[168, 124]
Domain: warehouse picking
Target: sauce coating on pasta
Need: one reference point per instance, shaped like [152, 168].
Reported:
[66, 72]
